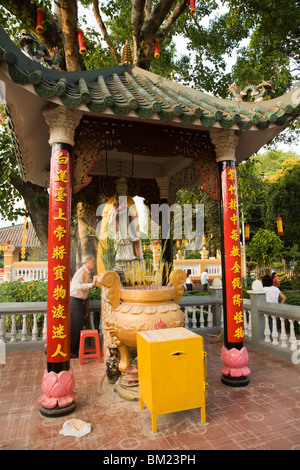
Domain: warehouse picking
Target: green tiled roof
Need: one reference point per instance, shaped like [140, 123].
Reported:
[126, 88]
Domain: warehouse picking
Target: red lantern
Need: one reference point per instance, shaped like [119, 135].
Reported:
[193, 8]
[40, 18]
[279, 225]
[178, 244]
[82, 48]
[204, 240]
[156, 49]
[247, 232]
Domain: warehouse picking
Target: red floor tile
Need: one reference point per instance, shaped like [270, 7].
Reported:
[264, 416]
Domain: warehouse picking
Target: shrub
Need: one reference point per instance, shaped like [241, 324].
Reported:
[19, 291]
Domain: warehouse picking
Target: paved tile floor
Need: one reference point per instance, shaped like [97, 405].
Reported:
[265, 415]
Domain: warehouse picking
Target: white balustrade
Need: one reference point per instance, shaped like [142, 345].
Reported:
[277, 335]
[18, 331]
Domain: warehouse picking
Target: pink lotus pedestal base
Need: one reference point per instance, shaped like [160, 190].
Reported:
[235, 371]
[57, 399]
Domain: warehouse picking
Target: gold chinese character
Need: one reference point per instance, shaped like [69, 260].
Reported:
[59, 351]
[236, 283]
[60, 194]
[237, 300]
[236, 268]
[59, 271]
[59, 292]
[58, 332]
[231, 175]
[239, 317]
[58, 312]
[60, 232]
[234, 219]
[59, 252]
[239, 333]
[232, 204]
[61, 176]
[62, 159]
[232, 190]
[60, 215]
[234, 235]
[235, 252]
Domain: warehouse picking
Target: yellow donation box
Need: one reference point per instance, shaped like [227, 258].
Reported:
[172, 370]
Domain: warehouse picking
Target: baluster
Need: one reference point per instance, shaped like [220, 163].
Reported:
[267, 329]
[245, 322]
[2, 327]
[249, 325]
[24, 329]
[35, 331]
[13, 331]
[210, 320]
[186, 311]
[201, 317]
[283, 336]
[194, 318]
[45, 327]
[299, 339]
[275, 332]
[92, 320]
[293, 339]
[222, 317]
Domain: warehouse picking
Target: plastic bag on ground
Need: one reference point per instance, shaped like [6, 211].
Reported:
[75, 427]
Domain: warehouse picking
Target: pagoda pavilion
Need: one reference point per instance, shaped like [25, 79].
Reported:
[71, 128]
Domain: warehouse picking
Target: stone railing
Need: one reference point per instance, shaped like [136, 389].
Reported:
[32, 309]
[29, 271]
[204, 315]
[271, 327]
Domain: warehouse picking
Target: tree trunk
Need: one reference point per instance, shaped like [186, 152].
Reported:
[68, 22]
[37, 202]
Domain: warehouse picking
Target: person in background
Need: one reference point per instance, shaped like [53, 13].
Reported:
[272, 295]
[189, 282]
[204, 279]
[275, 280]
[81, 284]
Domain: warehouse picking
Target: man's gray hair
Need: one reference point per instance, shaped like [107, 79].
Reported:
[87, 258]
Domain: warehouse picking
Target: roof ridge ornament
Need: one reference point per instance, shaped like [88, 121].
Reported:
[126, 54]
[257, 92]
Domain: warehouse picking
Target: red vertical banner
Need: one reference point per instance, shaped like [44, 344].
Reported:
[58, 303]
[232, 252]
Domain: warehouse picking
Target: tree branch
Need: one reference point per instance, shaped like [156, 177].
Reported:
[148, 7]
[25, 11]
[170, 22]
[104, 31]
[157, 17]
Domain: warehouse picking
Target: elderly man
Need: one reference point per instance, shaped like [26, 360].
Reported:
[79, 290]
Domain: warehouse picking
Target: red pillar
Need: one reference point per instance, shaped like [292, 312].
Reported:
[234, 355]
[58, 380]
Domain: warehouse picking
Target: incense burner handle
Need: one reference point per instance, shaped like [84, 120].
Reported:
[111, 280]
[177, 279]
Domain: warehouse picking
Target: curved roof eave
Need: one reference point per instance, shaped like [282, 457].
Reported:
[129, 93]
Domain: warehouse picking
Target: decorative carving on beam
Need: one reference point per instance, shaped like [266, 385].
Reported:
[95, 136]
